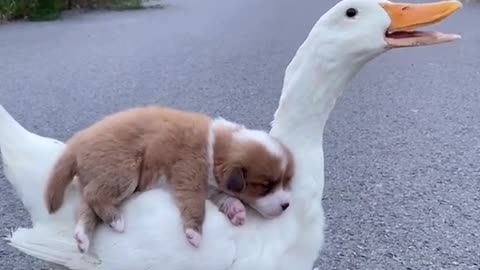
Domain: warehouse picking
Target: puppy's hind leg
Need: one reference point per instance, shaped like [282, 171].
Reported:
[86, 222]
[104, 196]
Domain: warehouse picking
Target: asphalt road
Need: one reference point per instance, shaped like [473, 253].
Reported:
[402, 146]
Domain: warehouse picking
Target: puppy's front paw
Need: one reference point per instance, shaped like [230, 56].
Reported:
[118, 224]
[193, 237]
[235, 211]
[83, 243]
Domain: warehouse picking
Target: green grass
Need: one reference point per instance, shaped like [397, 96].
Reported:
[45, 10]
[15, 9]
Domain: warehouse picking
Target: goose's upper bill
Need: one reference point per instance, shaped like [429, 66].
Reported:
[344, 39]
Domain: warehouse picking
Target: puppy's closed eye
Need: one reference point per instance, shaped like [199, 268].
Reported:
[236, 180]
[265, 188]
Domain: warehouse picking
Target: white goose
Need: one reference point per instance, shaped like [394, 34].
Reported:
[345, 38]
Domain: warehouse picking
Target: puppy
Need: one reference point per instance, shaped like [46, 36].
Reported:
[195, 156]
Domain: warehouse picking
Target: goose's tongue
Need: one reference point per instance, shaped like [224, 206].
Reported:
[406, 17]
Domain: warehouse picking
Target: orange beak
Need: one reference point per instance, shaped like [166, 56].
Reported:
[406, 17]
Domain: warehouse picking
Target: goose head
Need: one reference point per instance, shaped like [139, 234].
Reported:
[362, 29]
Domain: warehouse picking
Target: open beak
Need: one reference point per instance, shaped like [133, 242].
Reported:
[405, 18]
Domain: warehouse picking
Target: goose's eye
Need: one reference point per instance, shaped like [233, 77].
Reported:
[351, 12]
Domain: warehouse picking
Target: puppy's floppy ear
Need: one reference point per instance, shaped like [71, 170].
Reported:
[235, 180]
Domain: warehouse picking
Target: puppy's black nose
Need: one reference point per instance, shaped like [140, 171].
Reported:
[285, 206]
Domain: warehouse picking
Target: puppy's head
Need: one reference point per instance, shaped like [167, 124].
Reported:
[257, 169]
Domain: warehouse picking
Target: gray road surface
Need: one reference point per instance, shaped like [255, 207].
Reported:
[402, 146]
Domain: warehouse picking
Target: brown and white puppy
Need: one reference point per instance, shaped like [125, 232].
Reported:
[196, 156]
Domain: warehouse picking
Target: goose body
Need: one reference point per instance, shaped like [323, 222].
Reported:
[334, 51]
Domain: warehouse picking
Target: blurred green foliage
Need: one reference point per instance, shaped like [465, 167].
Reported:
[41, 10]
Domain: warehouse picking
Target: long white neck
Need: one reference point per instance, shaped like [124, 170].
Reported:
[314, 80]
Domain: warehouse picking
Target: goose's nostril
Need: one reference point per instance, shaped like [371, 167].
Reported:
[285, 206]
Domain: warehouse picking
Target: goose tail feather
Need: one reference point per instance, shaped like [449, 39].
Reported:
[10, 130]
[27, 160]
[50, 246]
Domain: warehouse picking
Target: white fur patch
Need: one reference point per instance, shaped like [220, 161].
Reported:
[83, 242]
[220, 122]
[217, 123]
[118, 224]
[193, 237]
[270, 206]
[210, 161]
[262, 138]
[259, 136]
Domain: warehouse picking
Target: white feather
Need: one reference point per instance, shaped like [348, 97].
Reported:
[41, 242]
[27, 159]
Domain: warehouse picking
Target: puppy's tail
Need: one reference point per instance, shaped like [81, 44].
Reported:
[61, 176]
